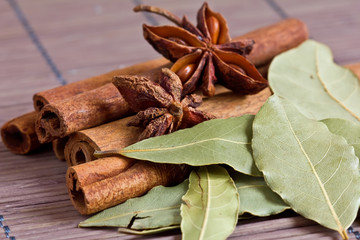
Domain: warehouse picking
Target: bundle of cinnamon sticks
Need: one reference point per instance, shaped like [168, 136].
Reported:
[91, 114]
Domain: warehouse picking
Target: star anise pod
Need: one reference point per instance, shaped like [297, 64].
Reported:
[160, 109]
[204, 54]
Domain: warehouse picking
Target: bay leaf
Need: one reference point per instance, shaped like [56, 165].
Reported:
[217, 141]
[211, 205]
[347, 129]
[313, 170]
[308, 77]
[256, 197]
[160, 207]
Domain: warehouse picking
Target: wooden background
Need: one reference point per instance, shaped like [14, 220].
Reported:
[44, 44]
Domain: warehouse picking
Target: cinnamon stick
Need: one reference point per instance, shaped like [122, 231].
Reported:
[85, 110]
[81, 145]
[275, 39]
[62, 92]
[134, 182]
[18, 134]
[58, 146]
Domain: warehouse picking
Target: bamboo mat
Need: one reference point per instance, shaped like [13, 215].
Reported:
[44, 44]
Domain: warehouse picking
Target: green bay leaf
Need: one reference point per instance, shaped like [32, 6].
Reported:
[218, 141]
[313, 170]
[308, 77]
[256, 197]
[211, 205]
[160, 207]
[347, 129]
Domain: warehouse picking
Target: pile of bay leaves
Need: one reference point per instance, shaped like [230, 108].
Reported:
[300, 151]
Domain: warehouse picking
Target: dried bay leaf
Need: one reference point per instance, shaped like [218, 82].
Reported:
[211, 205]
[218, 141]
[256, 197]
[313, 170]
[308, 78]
[160, 207]
[347, 129]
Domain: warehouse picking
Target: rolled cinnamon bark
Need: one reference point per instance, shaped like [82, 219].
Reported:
[62, 92]
[58, 146]
[275, 39]
[113, 135]
[133, 182]
[18, 134]
[94, 171]
[85, 110]
[81, 111]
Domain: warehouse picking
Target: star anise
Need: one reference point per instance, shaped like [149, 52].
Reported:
[204, 54]
[160, 109]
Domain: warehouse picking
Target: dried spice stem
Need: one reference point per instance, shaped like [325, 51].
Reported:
[59, 93]
[160, 11]
[19, 135]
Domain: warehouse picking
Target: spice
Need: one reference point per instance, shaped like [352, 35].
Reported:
[85, 110]
[159, 106]
[62, 92]
[82, 144]
[19, 135]
[58, 146]
[134, 182]
[205, 52]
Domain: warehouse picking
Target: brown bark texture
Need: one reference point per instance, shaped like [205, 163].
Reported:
[133, 182]
[18, 134]
[62, 92]
[58, 146]
[85, 110]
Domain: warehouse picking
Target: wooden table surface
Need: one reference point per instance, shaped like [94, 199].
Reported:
[44, 44]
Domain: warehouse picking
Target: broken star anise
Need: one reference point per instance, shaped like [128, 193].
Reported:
[204, 54]
[159, 107]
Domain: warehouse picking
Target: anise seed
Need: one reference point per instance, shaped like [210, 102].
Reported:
[186, 71]
[178, 40]
[237, 68]
[213, 26]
